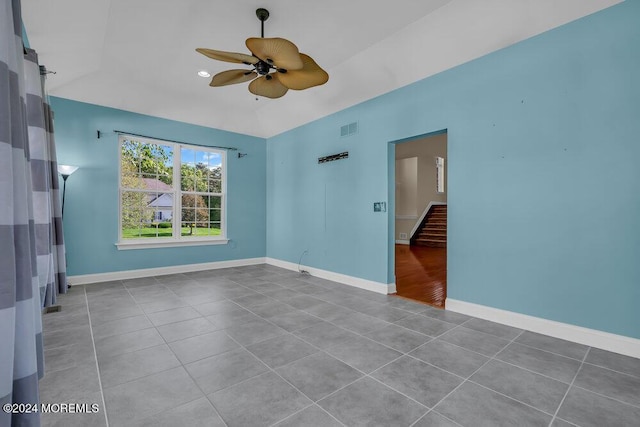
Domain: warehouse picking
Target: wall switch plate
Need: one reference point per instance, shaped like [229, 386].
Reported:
[379, 206]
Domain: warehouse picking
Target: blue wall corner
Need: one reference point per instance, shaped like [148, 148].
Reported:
[543, 177]
[25, 39]
[91, 205]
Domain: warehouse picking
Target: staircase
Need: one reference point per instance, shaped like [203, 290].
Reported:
[433, 230]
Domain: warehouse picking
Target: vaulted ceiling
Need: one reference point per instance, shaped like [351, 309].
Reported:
[140, 55]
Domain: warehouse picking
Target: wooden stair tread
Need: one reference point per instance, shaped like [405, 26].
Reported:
[433, 230]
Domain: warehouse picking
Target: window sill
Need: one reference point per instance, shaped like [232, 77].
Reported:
[125, 246]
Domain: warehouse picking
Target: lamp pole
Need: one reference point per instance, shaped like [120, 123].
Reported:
[65, 171]
[64, 190]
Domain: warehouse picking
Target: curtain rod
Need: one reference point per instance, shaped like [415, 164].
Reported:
[120, 132]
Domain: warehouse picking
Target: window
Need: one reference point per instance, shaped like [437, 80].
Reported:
[170, 194]
[440, 174]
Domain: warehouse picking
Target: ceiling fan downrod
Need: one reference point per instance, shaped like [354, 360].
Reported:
[263, 15]
[263, 68]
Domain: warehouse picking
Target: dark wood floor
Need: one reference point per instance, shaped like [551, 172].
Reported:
[421, 274]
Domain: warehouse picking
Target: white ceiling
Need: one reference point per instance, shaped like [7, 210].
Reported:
[140, 55]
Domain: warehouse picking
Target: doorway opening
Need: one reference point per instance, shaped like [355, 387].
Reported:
[420, 224]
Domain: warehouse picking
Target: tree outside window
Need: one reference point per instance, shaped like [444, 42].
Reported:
[170, 190]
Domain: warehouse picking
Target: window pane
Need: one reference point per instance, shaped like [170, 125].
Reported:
[188, 215]
[212, 231]
[188, 229]
[200, 178]
[188, 201]
[146, 166]
[197, 168]
[195, 214]
[215, 228]
[202, 229]
[214, 159]
[201, 170]
[215, 172]
[132, 180]
[157, 166]
[162, 205]
[128, 167]
[137, 215]
[188, 169]
[215, 186]
[215, 214]
[215, 202]
[165, 172]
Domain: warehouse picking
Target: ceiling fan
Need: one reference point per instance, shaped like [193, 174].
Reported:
[277, 65]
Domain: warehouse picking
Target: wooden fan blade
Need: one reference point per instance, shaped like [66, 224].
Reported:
[238, 58]
[232, 77]
[276, 51]
[271, 88]
[310, 75]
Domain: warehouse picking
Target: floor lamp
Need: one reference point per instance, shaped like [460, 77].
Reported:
[65, 171]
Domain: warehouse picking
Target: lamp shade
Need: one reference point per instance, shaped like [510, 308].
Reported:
[66, 170]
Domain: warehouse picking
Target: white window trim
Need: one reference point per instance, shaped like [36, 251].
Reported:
[440, 175]
[166, 242]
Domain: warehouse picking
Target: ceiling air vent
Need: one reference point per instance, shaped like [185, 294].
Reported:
[348, 130]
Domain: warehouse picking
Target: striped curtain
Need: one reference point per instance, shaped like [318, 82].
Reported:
[31, 250]
[44, 178]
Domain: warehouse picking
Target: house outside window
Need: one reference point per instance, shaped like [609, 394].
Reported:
[170, 194]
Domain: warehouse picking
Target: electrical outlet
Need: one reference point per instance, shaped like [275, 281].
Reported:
[403, 236]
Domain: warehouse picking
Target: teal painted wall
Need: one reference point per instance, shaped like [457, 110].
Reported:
[543, 178]
[91, 205]
[25, 39]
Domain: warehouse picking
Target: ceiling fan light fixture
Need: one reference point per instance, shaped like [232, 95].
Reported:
[204, 73]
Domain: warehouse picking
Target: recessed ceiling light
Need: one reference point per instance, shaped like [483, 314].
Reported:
[203, 73]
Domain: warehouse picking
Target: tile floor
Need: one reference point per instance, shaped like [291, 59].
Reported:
[259, 346]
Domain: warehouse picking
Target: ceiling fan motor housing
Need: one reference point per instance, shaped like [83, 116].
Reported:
[262, 68]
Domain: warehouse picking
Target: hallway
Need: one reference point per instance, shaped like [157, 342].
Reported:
[421, 274]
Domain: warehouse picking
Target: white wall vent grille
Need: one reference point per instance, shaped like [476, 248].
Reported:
[348, 130]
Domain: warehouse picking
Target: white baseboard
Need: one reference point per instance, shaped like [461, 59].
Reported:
[591, 337]
[403, 242]
[357, 282]
[369, 285]
[87, 279]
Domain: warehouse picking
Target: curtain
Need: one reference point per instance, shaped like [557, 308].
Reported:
[31, 250]
[44, 178]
